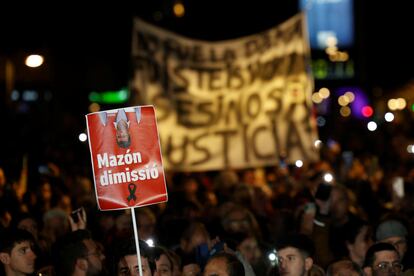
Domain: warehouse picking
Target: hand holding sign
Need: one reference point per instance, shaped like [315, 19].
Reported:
[126, 161]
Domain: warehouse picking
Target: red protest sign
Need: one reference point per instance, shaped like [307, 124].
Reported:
[126, 157]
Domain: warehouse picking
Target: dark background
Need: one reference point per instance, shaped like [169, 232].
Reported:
[88, 49]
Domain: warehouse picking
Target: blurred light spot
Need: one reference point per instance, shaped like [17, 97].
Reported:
[392, 104]
[350, 96]
[316, 98]
[328, 177]
[94, 107]
[150, 242]
[367, 111]
[15, 95]
[372, 126]
[324, 93]
[345, 111]
[30, 95]
[389, 117]
[343, 100]
[321, 121]
[179, 9]
[299, 163]
[331, 41]
[34, 61]
[83, 137]
[331, 50]
[317, 144]
[337, 56]
[401, 103]
[410, 148]
[272, 257]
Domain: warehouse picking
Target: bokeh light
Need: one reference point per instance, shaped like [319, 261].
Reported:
[318, 144]
[372, 126]
[150, 242]
[94, 107]
[401, 103]
[316, 98]
[367, 111]
[320, 121]
[272, 256]
[83, 137]
[345, 111]
[179, 9]
[343, 101]
[350, 96]
[34, 61]
[299, 163]
[389, 117]
[328, 177]
[392, 104]
[324, 93]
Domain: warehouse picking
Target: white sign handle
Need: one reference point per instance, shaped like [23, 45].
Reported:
[134, 223]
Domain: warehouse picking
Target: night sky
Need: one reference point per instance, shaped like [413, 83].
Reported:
[88, 48]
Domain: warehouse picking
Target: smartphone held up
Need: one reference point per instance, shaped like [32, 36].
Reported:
[75, 214]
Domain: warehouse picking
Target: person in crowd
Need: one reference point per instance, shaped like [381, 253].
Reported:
[382, 259]
[393, 232]
[55, 225]
[359, 179]
[146, 221]
[126, 261]
[236, 218]
[26, 221]
[9, 200]
[344, 268]
[358, 238]
[44, 198]
[16, 252]
[5, 215]
[295, 255]
[195, 236]
[249, 249]
[333, 213]
[224, 264]
[78, 254]
[176, 263]
[164, 263]
[224, 184]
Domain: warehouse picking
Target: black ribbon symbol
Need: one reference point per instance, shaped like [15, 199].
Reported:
[132, 188]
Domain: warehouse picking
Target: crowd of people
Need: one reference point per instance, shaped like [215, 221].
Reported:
[279, 220]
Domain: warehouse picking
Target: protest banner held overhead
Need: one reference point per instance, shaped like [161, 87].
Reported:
[231, 104]
[126, 157]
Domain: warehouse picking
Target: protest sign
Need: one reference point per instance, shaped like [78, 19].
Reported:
[229, 104]
[126, 158]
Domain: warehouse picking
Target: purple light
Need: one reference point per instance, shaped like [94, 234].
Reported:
[361, 100]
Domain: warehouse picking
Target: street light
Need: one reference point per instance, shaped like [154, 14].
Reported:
[34, 61]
